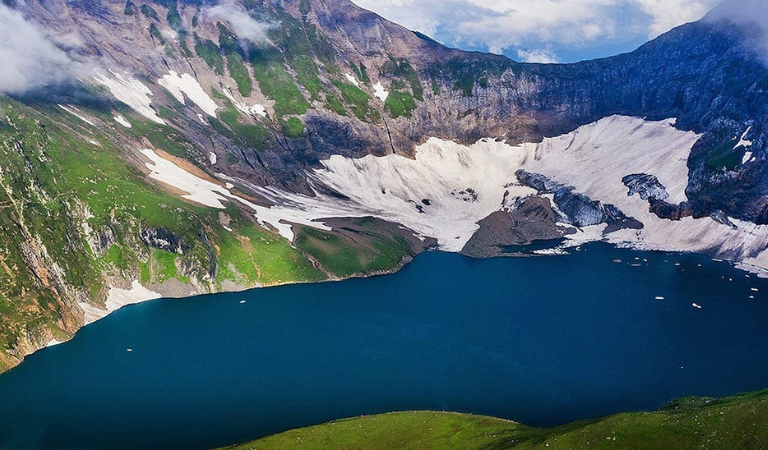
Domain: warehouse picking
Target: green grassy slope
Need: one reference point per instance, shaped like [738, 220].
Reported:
[693, 423]
[64, 186]
[73, 210]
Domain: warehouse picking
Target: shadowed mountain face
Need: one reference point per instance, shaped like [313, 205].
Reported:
[252, 96]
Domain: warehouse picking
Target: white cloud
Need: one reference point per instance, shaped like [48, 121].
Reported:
[751, 16]
[540, 26]
[668, 14]
[537, 56]
[29, 59]
[244, 26]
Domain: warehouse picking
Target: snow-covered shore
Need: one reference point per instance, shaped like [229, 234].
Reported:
[448, 188]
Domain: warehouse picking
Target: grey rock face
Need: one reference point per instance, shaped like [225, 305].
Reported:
[646, 186]
[579, 210]
[162, 239]
[533, 219]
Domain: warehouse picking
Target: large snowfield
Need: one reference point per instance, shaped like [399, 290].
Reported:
[448, 188]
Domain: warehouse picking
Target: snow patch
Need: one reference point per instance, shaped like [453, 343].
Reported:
[380, 92]
[198, 190]
[132, 92]
[211, 194]
[123, 121]
[76, 112]
[743, 142]
[186, 84]
[254, 110]
[351, 78]
[116, 299]
[213, 158]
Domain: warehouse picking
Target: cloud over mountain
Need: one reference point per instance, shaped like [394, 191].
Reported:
[29, 57]
[556, 29]
[244, 26]
[751, 16]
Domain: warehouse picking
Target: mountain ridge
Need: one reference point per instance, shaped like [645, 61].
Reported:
[251, 132]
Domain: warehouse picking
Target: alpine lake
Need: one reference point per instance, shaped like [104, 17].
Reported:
[541, 340]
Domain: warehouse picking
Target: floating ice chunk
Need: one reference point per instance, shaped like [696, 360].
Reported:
[550, 252]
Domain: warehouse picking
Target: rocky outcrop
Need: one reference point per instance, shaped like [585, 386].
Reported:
[646, 186]
[163, 239]
[578, 209]
[532, 220]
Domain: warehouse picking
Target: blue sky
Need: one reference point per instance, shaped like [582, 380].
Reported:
[542, 30]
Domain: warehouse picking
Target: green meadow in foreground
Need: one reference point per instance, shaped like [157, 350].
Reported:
[691, 423]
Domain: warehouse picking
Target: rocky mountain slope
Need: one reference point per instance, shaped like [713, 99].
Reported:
[203, 146]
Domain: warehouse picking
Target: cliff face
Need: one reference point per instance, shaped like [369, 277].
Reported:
[320, 61]
[240, 102]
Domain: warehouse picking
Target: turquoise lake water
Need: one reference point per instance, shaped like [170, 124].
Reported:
[540, 340]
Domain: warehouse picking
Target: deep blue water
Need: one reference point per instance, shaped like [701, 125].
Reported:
[542, 340]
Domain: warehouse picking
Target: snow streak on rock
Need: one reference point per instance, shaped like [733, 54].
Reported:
[132, 92]
[186, 84]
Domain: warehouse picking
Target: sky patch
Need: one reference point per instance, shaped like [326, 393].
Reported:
[542, 30]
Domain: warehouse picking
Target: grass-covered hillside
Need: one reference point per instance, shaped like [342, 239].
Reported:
[692, 423]
[78, 216]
